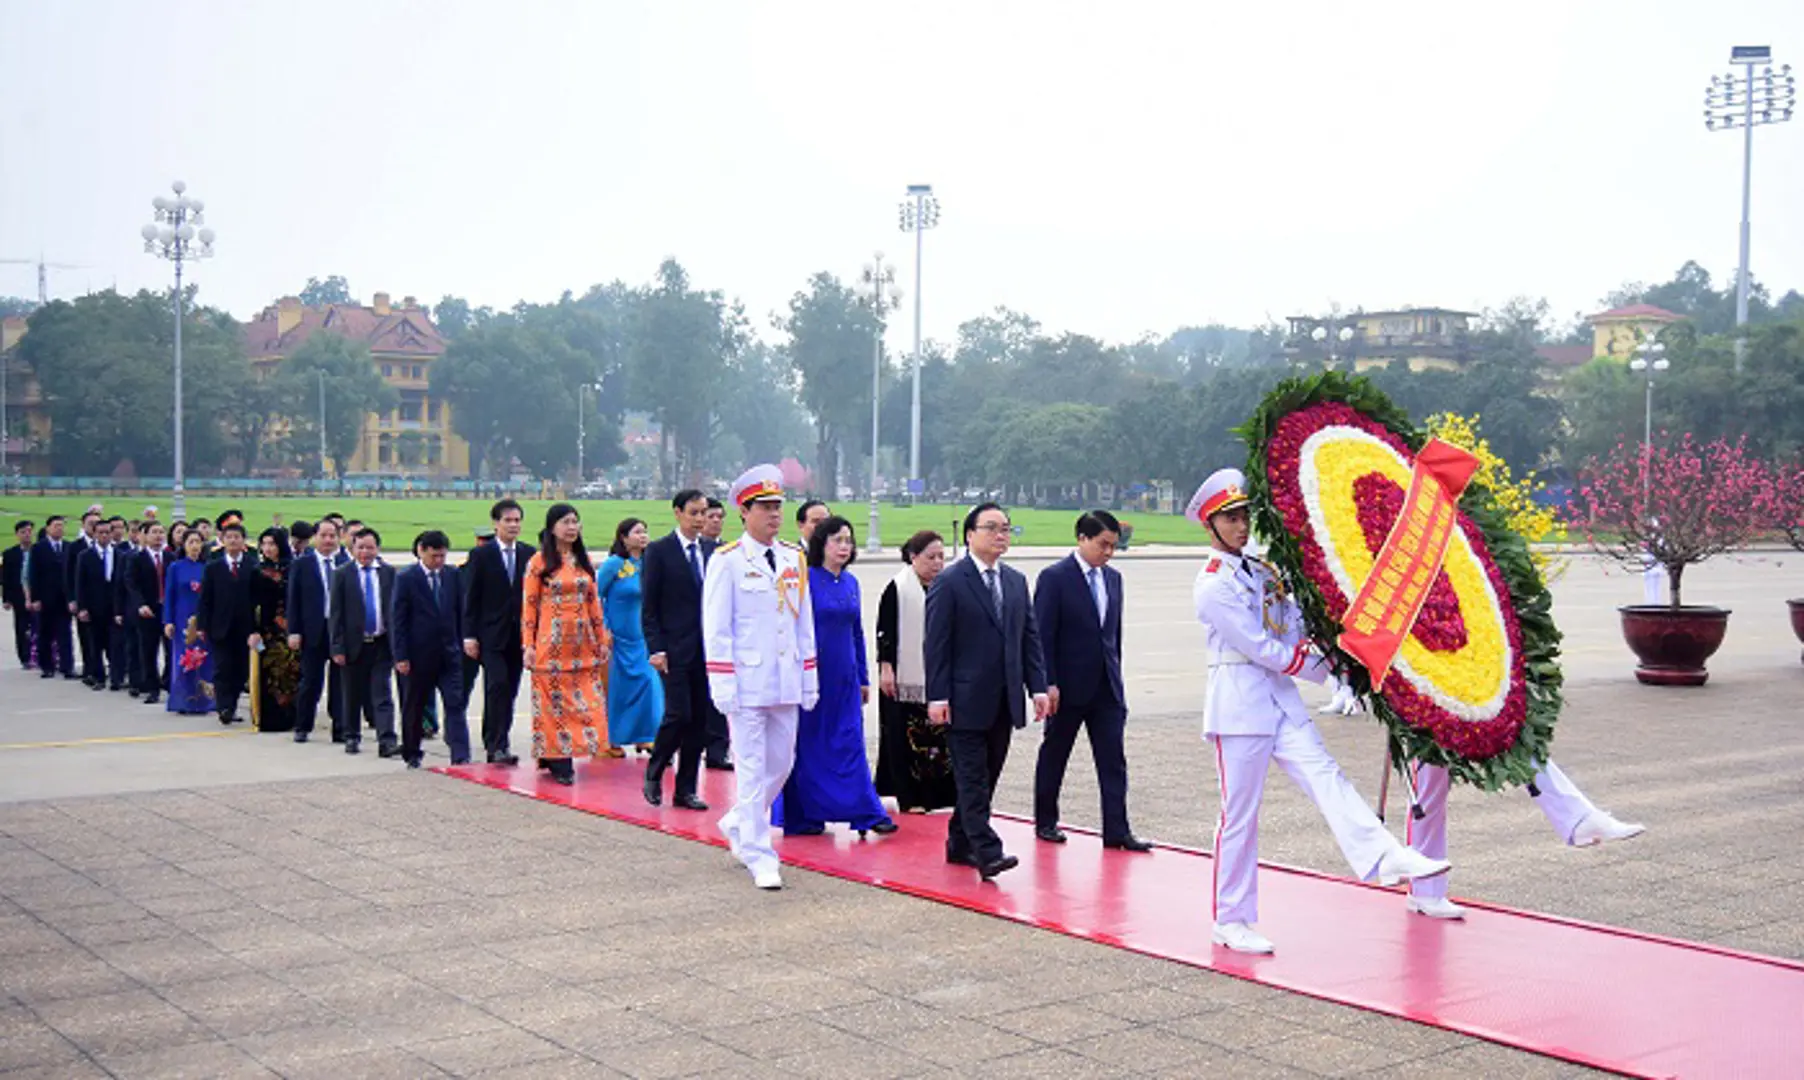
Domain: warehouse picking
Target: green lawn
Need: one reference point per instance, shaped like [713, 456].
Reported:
[400, 519]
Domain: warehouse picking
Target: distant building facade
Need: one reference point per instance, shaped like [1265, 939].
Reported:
[414, 438]
[1614, 334]
[1426, 339]
[27, 414]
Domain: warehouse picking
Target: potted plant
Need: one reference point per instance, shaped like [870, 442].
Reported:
[1677, 504]
[1788, 514]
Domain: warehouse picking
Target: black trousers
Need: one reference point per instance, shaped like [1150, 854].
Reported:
[22, 629]
[318, 673]
[688, 713]
[106, 649]
[426, 677]
[231, 670]
[153, 656]
[977, 759]
[91, 669]
[367, 695]
[500, 686]
[1104, 724]
[127, 633]
[55, 652]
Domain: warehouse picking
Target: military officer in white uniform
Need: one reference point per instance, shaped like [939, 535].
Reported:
[1254, 716]
[758, 638]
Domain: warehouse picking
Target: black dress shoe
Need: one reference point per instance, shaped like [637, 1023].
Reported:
[1130, 842]
[353, 746]
[884, 827]
[1052, 834]
[301, 736]
[414, 762]
[688, 802]
[502, 757]
[225, 719]
[989, 870]
[460, 761]
[116, 689]
[719, 764]
[805, 830]
[135, 692]
[654, 791]
[962, 860]
[150, 700]
[97, 686]
[388, 750]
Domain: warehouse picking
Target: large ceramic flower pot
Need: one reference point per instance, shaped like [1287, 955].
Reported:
[1797, 621]
[1673, 643]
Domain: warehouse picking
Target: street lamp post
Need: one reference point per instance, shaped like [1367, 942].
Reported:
[1745, 101]
[172, 236]
[878, 284]
[1650, 358]
[920, 213]
[1321, 337]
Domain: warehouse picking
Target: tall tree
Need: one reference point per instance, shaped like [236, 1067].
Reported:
[353, 388]
[832, 338]
[333, 290]
[104, 362]
[679, 344]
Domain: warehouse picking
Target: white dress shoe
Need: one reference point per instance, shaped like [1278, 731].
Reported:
[729, 828]
[1407, 863]
[1436, 907]
[1599, 826]
[768, 878]
[1242, 938]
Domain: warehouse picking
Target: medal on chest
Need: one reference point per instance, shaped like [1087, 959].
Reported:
[789, 591]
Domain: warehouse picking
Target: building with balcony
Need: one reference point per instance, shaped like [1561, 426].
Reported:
[27, 414]
[415, 437]
[1424, 338]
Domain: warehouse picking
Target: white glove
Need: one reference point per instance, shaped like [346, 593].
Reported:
[1344, 701]
[810, 698]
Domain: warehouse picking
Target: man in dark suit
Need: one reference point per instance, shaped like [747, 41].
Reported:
[362, 614]
[427, 639]
[307, 609]
[674, 568]
[144, 612]
[12, 590]
[97, 583]
[47, 589]
[227, 618]
[1077, 604]
[84, 639]
[127, 628]
[496, 573]
[983, 649]
[472, 665]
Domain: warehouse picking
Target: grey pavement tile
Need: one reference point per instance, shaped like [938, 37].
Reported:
[462, 1055]
[107, 910]
[285, 1050]
[99, 935]
[570, 1066]
[54, 976]
[1059, 1023]
[409, 1021]
[1407, 1038]
[871, 1062]
[881, 1018]
[1328, 1054]
[1145, 1004]
[1050, 1063]
[200, 1061]
[26, 934]
[953, 1041]
[597, 1034]
[1148, 1048]
[82, 1069]
[294, 954]
[669, 1056]
[36, 1046]
[171, 961]
[702, 1004]
[1486, 1059]
[118, 1024]
[767, 1040]
[385, 1063]
[1238, 1028]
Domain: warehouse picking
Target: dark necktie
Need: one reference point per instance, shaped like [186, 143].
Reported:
[156, 564]
[507, 559]
[233, 563]
[433, 577]
[990, 579]
[695, 561]
[369, 601]
[770, 556]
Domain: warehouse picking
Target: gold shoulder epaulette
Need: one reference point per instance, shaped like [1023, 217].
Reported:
[724, 548]
[792, 546]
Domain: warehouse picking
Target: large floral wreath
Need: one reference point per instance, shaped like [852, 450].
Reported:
[1475, 685]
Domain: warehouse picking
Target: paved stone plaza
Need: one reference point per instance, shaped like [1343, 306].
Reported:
[219, 905]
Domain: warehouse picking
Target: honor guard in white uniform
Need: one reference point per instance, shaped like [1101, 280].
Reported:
[1253, 714]
[758, 637]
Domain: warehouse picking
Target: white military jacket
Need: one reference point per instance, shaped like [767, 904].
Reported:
[1254, 635]
[758, 626]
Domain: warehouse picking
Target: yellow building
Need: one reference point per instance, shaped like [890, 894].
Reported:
[27, 414]
[415, 438]
[1616, 332]
[1424, 338]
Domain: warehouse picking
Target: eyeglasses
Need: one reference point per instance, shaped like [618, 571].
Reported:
[994, 527]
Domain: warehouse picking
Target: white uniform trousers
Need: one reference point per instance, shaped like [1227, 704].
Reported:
[764, 750]
[1241, 762]
[1559, 799]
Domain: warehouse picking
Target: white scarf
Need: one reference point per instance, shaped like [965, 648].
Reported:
[911, 637]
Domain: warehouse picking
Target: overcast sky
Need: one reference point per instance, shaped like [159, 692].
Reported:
[1110, 168]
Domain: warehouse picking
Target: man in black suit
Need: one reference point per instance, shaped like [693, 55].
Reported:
[495, 574]
[144, 612]
[84, 638]
[307, 609]
[983, 648]
[97, 584]
[426, 639]
[363, 593]
[127, 629]
[227, 618]
[1077, 604]
[674, 568]
[472, 665]
[12, 590]
[47, 595]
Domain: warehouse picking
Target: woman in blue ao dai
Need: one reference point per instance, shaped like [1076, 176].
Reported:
[635, 692]
[831, 780]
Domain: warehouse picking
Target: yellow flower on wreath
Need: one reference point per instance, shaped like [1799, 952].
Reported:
[1515, 498]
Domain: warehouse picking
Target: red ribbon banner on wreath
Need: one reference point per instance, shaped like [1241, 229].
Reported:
[1384, 612]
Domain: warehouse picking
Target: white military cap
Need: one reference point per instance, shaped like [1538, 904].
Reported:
[1224, 490]
[760, 483]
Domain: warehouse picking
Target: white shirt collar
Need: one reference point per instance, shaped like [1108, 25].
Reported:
[982, 567]
[1083, 563]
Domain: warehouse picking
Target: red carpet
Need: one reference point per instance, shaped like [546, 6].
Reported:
[1590, 994]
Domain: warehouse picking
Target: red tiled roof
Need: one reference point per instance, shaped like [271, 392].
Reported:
[403, 331]
[1564, 356]
[1638, 311]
